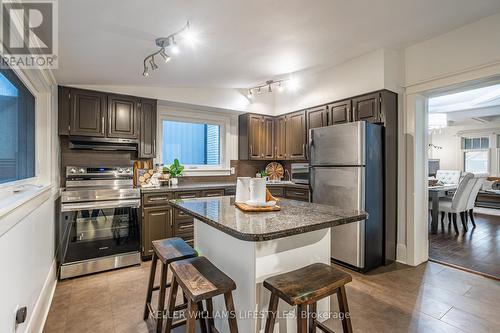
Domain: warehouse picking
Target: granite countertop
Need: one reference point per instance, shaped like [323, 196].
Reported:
[295, 217]
[209, 185]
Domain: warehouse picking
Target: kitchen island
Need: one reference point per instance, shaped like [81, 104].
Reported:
[250, 247]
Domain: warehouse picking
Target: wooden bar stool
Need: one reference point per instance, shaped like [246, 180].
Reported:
[304, 287]
[200, 281]
[167, 251]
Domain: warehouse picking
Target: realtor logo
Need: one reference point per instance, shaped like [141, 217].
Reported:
[29, 34]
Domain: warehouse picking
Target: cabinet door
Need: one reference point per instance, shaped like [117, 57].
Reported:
[367, 108]
[147, 133]
[254, 136]
[340, 112]
[157, 224]
[122, 117]
[267, 139]
[280, 138]
[296, 135]
[317, 117]
[88, 113]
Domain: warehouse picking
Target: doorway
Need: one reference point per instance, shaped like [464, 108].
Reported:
[463, 170]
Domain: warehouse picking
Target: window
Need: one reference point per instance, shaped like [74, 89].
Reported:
[476, 154]
[190, 142]
[17, 129]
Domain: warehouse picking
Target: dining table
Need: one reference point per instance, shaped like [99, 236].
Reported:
[435, 194]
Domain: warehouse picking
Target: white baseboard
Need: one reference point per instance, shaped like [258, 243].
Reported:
[42, 305]
[401, 253]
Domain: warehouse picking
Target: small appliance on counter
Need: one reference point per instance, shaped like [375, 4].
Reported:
[100, 220]
[300, 173]
[347, 170]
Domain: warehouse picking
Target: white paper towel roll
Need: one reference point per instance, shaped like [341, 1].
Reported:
[242, 189]
[258, 190]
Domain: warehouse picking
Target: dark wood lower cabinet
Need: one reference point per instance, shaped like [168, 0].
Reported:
[156, 224]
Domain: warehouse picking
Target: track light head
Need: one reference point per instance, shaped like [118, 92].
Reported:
[280, 87]
[145, 73]
[165, 56]
[269, 89]
[175, 48]
[250, 93]
[152, 63]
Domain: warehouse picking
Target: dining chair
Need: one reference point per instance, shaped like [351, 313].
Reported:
[459, 202]
[448, 177]
[479, 182]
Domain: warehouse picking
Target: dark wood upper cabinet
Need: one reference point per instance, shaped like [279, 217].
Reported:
[122, 117]
[267, 138]
[254, 136]
[367, 108]
[280, 138]
[317, 117]
[88, 113]
[296, 135]
[340, 112]
[147, 132]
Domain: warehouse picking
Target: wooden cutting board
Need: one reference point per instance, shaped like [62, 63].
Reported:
[247, 208]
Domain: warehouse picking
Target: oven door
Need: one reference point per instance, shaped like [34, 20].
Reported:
[99, 229]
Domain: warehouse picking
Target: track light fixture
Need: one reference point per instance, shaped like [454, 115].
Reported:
[168, 43]
[270, 84]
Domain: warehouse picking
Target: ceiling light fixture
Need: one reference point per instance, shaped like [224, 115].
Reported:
[168, 43]
[270, 84]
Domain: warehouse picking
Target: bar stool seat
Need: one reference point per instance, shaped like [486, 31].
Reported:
[306, 286]
[167, 251]
[200, 280]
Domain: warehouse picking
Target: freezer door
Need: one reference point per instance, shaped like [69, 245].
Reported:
[342, 187]
[342, 144]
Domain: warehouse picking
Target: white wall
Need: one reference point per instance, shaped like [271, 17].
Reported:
[449, 138]
[354, 77]
[468, 47]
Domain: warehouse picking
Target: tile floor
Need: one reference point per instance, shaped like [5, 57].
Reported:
[476, 250]
[398, 298]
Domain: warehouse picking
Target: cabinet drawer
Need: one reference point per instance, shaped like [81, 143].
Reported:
[183, 227]
[180, 215]
[230, 191]
[213, 193]
[297, 193]
[277, 191]
[149, 199]
[186, 194]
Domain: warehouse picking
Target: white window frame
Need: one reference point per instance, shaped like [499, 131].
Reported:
[488, 150]
[195, 116]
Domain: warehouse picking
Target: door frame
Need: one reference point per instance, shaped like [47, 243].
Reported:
[413, 244]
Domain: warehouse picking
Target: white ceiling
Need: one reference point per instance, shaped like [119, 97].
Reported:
[241, 43]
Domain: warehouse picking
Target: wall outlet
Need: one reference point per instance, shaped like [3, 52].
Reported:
[233, 170]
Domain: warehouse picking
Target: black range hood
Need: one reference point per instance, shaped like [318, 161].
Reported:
[103, 144]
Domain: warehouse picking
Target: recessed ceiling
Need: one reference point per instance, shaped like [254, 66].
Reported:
[241, 43]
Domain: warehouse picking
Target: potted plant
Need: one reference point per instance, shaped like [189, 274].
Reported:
[176, 170]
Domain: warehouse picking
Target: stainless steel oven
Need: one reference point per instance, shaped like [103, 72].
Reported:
[300, 173]
[101, 219]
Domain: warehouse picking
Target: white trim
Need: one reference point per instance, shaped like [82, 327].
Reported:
[42, 306]
[223, 119]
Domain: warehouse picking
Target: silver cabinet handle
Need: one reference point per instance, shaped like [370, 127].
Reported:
[158, 199]
[186, 226]
[102, 125]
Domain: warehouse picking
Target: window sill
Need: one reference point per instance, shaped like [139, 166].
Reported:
[206, 172]
[23, 199]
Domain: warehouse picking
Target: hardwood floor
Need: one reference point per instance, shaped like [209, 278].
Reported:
[477, 250]
[398, 298]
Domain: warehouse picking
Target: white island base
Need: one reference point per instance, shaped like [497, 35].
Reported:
[249, 263]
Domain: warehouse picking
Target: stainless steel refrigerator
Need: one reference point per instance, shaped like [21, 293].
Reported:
[346, 170]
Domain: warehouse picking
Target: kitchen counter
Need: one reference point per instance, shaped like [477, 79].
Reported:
[210, 185]
[295, 217]
[250, 247]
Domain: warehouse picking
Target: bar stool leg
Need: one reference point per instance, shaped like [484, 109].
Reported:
[191, 317]
[233, 326]
[161, 297]
[151, 281]
[171, 304]
[271, 313]
[344, 309]
[202, 318]
[312, 317]
[301, 319]
[210, 310]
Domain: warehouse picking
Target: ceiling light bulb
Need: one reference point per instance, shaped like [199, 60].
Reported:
[280, 87]
[165, 56]
[258, 90]
[175, 49]
[293, 84]
[189, 37]
[250, 93]
[145, 73]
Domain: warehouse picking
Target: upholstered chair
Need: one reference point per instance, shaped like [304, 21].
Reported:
[478, 185]
[459, 202]
[448, 177]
